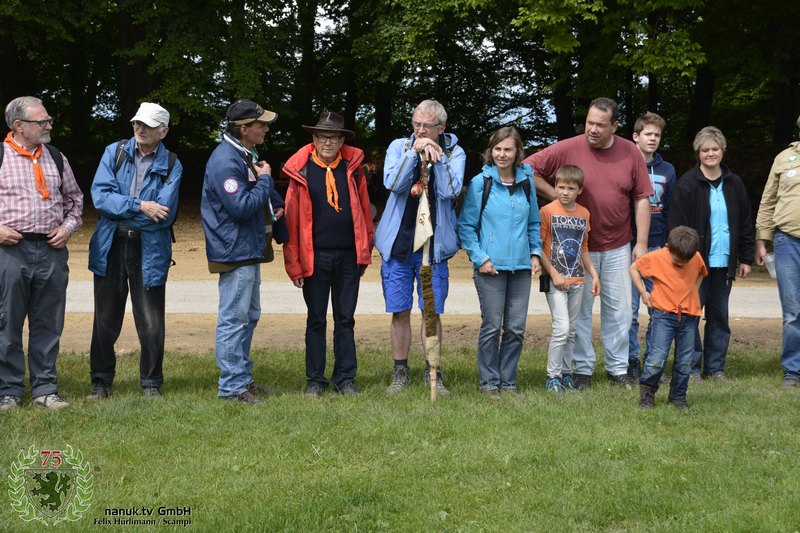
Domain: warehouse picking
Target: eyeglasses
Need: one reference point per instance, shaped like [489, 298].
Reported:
[328, 139]
[40, 123]
[420, 126]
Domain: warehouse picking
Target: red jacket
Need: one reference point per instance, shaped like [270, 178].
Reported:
[298, 252]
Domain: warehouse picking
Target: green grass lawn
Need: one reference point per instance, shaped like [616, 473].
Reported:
[584, 462]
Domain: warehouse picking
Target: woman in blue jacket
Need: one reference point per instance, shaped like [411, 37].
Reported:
[499, 229]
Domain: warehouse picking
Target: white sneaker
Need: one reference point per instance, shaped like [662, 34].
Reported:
[50, 401]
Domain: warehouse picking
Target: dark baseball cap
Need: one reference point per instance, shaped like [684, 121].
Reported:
[246, 111]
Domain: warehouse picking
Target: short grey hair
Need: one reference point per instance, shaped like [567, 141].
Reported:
[709, 133]
[432, 106]
[17, 109]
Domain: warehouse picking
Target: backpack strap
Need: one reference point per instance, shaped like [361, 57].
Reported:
[487, 188]
[55, 153]
[57, 157]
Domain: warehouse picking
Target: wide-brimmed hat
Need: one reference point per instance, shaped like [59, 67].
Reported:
[330, 121]
[243, 112]
[152, 114]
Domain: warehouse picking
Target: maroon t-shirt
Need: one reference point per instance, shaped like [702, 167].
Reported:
[615, 177]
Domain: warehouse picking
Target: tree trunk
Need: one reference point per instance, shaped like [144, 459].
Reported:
[700, 106]
[562, 98]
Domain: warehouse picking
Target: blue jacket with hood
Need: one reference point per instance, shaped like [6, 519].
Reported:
[663, 179]
[509, 226]
[112, 199]
[398, 176]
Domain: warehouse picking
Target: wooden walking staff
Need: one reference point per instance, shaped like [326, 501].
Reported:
[422, 237]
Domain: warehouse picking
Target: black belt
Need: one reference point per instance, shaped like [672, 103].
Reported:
[127, 233]
[35, 236]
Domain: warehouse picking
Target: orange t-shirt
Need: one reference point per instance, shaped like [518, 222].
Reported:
[674, 287]
[565, 235]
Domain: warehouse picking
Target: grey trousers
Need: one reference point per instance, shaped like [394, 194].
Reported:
[33, 285]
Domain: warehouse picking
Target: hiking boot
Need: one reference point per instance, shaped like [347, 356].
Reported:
[623, 380]
[695, 377]
[348, 388]
[243, 397]
[441, 390]
[254, 388]
[554, 385]
[9, 402]
[647, 397]
[314, 390]
[511, 391]
[491, 394]
[401, 377]
[790, 383]
[634, 370]
[680, 404]
[568, 383]
[583, 382]
[718, 376]
[100, 391]
[153, 392]
[50, 401]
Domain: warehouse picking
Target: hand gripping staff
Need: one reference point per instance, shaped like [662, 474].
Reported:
[422, 238]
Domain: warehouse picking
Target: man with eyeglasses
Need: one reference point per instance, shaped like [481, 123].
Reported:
[135, 192]
[394, 237]
[233, 210]
[42, 206]
[330, 243]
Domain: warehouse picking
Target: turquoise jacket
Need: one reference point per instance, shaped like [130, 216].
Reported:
[111, 196]
[509, 230]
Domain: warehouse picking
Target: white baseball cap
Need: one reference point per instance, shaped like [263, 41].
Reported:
[152, 114]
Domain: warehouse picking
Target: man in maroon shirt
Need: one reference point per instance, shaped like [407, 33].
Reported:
[616, 179]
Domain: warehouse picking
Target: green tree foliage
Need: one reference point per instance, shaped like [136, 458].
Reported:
[533, 63]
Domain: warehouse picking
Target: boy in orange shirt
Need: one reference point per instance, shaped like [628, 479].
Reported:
[676, 271]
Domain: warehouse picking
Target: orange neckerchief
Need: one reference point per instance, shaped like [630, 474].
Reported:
[38, 173]
[330, 182]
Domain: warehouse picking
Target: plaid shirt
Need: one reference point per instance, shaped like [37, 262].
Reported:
[21, 205]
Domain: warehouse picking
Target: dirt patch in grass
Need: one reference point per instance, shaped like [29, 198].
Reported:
[195, 332]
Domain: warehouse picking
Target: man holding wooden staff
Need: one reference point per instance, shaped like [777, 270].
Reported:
[394, 238]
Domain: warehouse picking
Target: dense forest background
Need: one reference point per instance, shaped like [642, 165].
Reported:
[532, 63]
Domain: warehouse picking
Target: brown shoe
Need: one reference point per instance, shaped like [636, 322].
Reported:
[491, 394]
[267, 392]
[244, 397]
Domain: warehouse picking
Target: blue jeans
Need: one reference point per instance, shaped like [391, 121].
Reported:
[668, 327]
[615, 313]
[565, 306]
[787, 269]
[709, 355]
[238, 314]
[504, 305]
[633, 334]
[336, 277]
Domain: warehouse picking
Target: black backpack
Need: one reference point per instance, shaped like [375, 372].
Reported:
[119, 159]
[54, 153]
[487, 188]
